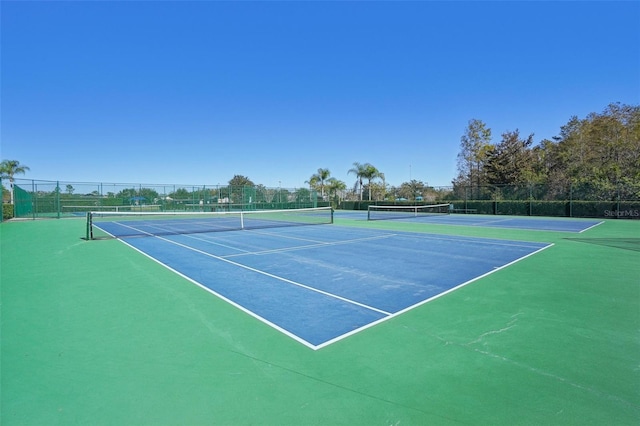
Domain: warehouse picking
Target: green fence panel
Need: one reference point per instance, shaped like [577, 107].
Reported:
[22, 202]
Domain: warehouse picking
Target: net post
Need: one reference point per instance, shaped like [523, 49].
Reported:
[89, 227]
[241, 219]
[331, 215]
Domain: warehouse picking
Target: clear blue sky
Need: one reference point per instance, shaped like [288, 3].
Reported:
[197, 92]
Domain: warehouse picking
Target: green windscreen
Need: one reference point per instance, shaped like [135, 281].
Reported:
[23, 202]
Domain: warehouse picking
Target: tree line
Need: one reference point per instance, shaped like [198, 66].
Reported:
[600, 152]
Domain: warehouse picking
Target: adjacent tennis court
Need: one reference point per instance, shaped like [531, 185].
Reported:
[440, 214]
[243, 319]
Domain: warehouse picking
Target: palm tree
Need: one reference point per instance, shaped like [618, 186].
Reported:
[10, 168]
[381, 189]
[359, 170]
[334, 185]
[313, 182]
[370, 174]
[319, 178]
[365, 171]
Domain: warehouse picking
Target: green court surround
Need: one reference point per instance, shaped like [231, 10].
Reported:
[95, 333]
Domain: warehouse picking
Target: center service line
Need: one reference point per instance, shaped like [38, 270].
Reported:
[335, 296]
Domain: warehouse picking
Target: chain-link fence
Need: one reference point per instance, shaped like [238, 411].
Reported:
[56, 199]
[571, 200]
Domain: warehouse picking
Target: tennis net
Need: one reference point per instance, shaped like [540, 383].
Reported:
[131, 224]
[404, 212]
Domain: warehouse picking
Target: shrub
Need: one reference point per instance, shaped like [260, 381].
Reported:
[7, 211]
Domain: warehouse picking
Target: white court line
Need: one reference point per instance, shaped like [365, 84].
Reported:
[205, 226]
[492, 221]
[592, 226]
[317, 243]
[216, 243]
[231, 302]
[480, 240]
[166, 229]
[335, 296]
[325, 244]
[284, 236]
[495, 224]
[395, 314]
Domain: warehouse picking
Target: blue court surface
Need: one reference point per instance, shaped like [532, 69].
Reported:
[320, 284]
[493, 221]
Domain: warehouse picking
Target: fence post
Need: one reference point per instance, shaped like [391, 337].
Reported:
[13, 195]
[571, 199]
[34, 199]
[57, 198]
[465, 198]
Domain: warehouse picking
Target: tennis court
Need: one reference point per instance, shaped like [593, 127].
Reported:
[350, 322]
[427, 214]
[304, 282]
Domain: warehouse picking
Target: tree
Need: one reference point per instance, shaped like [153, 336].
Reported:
[358, 170]
[5, 194]
[570, 155]
[240, 190]
[10, 168]
[318, 179]
[600, 154]
[180, 194]
[371, 173]
[474, 145]
[138, 196]
[302, 195]
[412, 189]
[70, 189]
[379, 189]
[615, 142]
[510, 161]
[239, 180]
[333, 186]
[364, 171]
[313, 182]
